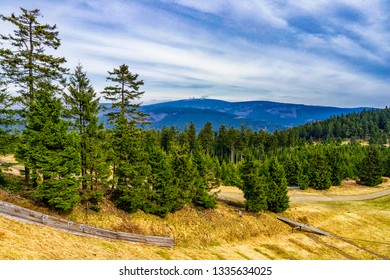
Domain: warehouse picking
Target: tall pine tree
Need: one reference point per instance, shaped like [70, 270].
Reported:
[370, 169]
[254, 185]
[277, 196]
[123, 93]
[83, 109]
[165, 193]
[131, 168]
[25, 61]
[50, 152]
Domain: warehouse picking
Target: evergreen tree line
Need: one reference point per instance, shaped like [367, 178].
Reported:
[369, 125]
[70, 157]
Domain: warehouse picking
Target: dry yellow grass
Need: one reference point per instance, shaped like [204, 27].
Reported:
[224, 233]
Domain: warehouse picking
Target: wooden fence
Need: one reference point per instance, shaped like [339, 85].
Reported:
[24, 214]
[301, 226]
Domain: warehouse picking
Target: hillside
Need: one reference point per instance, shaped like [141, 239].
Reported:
[225, 233]
[256, 114]
[265, 115]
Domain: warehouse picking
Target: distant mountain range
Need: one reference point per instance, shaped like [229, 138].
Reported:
[257, 115]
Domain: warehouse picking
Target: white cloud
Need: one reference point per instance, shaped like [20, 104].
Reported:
[238, 11]
[178, 57]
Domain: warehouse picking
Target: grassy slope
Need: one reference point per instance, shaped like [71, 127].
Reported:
[225, 233]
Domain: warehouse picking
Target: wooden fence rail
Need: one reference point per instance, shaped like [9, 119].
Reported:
[24, 214]
[297, 225]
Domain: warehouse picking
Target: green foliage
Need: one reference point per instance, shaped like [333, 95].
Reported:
[293, 170]
[83, 109]
[254, 186]
[91, 199]
[60, 194]
[165, 193]
[320, 172]
[50, 152]
[131, 167]
[336, 165]
[277, 196]
[370, 169]
[160, 171]
[372, 125]
[27, 64]
[123, 93]
[229, 174]
[129, 198]
[206, 138]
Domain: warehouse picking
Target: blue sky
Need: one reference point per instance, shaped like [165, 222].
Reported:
[323, 52]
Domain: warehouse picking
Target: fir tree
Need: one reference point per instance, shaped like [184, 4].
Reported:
[206, 138]
[123, 93]
[293, 171]
[254, 186]
[165, 193]
[370, 170]
[26, 63]
[320, 172]
[184, 177]
[205, 181]
[83, 109]
[277, 196]
[190, 133]
[131, 166]
[7, 120]
[50, 153]
[336, 165]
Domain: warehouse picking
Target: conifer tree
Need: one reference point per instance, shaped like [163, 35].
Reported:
[26, 63]
[293, 171]
[221, 142]
[165, 193]
[131, 166]
[320, 172]
[206, 138]
[7, 119]
[205, 181]
[184, 177]
[336, 165]
[370, 169]
[254, 185]
[4, 99]
[190, 133]
[123, 93]
[83, 109]
[50, 152]
[277, 196]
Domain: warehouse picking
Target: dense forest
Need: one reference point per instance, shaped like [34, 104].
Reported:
[71, 158]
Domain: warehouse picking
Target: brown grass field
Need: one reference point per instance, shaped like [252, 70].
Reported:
[227, 233]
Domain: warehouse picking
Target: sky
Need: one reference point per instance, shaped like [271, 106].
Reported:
[322, 52]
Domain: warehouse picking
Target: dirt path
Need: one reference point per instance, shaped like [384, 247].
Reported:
[315, 198]
[237, 196]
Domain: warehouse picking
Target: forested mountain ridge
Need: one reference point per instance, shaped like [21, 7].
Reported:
[266, 115]
[369, 125]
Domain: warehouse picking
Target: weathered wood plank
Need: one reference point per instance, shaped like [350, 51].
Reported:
[25, 214]
[300, 225]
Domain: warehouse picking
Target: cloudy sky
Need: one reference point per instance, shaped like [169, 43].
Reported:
[322, 52]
